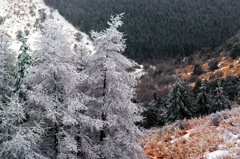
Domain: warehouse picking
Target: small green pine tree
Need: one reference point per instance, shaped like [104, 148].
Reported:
[179, 103]
[154, 114]
[220, 101]
[202, 100]
[151, 115]
[24, 62]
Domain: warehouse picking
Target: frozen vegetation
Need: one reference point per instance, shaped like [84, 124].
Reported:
[64, 96]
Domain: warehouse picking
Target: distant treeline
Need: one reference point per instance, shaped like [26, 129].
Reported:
[158, 28]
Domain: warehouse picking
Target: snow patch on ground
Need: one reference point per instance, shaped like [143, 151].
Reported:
[138, 72]
[224, 68]
[230, 136]
[216, 154]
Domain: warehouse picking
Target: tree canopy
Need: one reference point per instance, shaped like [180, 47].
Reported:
[158, 28]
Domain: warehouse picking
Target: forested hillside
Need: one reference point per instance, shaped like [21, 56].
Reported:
[68, 95]
[158, 28]
[209, 82]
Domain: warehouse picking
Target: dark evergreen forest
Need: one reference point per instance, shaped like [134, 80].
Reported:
[158, 28]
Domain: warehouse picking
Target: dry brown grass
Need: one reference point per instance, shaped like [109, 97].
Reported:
[200, 138]
[224, 64]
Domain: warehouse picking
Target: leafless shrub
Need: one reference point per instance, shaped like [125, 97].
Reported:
[218, 117]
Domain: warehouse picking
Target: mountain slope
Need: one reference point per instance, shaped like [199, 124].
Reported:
[158, 28]
[215, 136]
[26, 18]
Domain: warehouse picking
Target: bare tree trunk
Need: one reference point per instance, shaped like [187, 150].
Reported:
[56, 128]
[104, 115]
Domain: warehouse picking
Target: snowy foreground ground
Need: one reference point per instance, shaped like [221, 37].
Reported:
[213, 137]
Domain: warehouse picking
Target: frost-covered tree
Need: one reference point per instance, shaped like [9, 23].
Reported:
[113, 88]
[6, 66]
[203, 100]
[56, 99]
[220, 101]
[19, 137]
[179, 103]
[24, 62]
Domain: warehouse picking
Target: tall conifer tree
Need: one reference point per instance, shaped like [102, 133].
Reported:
[179, 103]
[203, 100]
[56, 99]
[113, 88]
[154, 114]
